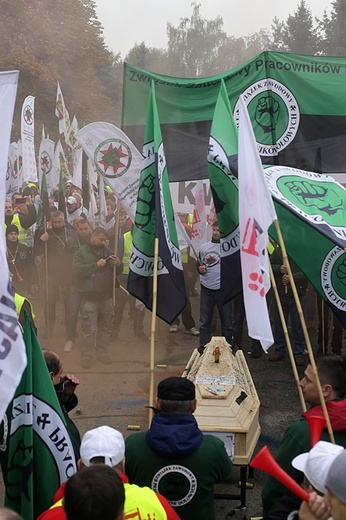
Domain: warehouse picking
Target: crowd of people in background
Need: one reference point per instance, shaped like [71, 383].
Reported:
[73, 259]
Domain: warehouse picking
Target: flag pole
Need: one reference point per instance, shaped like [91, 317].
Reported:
[305, 331]
[116, 238]
[152, 335]
[46, 266]
[287, 337]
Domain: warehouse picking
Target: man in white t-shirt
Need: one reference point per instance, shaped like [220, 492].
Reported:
[209, 268]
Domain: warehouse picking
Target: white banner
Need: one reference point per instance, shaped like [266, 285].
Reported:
[29, 172]
[115, 158]
[12, 348]
[256, 213]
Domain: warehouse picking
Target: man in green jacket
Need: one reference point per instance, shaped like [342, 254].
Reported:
[296, 440]
[93, 265]
[174, 458]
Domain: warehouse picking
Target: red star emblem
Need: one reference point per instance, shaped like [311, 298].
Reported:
[111, 158]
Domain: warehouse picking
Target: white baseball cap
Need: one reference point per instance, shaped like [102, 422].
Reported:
[71, 200]
[103, 442]
[316, 463]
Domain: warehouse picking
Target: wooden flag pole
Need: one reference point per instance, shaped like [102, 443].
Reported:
[116, 238]
[287, 337]
[152, 335]
[305, 330]
[46, 278]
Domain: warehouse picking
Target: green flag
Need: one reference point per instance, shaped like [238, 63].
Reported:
[311, 210]
[62, 201]
[35, 448]
[155, 218]
[224, 186]
[296, 104]
[43, 210]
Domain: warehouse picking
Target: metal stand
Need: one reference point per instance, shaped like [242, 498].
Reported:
[239, 513]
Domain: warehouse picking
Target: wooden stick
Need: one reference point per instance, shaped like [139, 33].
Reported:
[116, 238]
[287, 338]
[152, 335]
[305, 331]
[46, 278]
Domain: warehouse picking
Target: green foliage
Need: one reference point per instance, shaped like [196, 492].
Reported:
[298, 34]
[333, 29]
[58, 40]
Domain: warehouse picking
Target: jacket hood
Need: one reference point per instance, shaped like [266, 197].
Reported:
[336, 412]
[174, 435]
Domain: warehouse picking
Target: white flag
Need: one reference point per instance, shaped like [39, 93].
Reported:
[115, 158]
[60, 162]
[13, 356]
[62, 113]
[102, 204]
[256, 213]
[78, 169]
[46, 164]
[29, 172]
[11, 186]
[71, 136]
[199, 223]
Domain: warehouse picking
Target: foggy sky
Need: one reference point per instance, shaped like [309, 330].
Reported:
[128, 22]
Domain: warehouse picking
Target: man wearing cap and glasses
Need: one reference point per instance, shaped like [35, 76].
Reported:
[105, 445]
[174, 457]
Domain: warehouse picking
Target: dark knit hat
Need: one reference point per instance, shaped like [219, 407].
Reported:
[10, 228]
[176, 389]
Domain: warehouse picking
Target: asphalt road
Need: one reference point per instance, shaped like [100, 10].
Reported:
[117, 394]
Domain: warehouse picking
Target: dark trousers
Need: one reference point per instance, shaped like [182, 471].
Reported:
[209, 300]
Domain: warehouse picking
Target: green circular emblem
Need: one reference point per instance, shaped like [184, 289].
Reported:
[274, 113]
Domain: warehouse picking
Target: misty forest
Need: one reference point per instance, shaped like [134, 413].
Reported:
[62, 40]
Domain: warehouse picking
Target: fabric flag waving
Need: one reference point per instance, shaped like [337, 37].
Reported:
[43, 210]
[199, 223]
[36, 451]
[13, 357]
[256, 214]
[224, 187]
[311, 209]
[155, 218]
[62, 113]
[46, 164]
[28, 140]
[115, 158]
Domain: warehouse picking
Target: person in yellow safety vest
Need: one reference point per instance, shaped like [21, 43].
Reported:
[136, 315]
[23, 215]
[23, 304]
[105, 445]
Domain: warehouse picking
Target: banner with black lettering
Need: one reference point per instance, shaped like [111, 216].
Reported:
[36, 451]
[296, 104]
